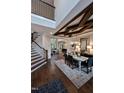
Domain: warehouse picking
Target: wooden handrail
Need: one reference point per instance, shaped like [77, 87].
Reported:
[39, 46]
[46, 51]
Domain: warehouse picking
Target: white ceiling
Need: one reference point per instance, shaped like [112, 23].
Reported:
[76, 20]
[75, 37]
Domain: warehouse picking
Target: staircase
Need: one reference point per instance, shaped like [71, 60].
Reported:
[38, 56]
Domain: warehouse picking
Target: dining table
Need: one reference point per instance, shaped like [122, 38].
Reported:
[80, 59]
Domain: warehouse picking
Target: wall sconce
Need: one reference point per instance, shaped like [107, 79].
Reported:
[89, 47]
[77, 48]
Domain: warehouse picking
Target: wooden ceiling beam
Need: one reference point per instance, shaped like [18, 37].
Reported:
[79, 31]
[74, 27]
[70, 34]
[71, 28]
[83, 11]
[87, 26]
[60, 33]
[86, 16]
[89, 22]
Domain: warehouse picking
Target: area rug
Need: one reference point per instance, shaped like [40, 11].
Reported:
[54, 86]
[78, 78]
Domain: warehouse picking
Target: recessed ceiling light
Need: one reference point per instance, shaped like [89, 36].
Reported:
[51, 33]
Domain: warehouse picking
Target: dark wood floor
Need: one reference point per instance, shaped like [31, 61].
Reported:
[50, 72]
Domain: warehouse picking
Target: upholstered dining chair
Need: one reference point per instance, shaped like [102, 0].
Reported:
[73, 63]
[66, 58]
[88, 65]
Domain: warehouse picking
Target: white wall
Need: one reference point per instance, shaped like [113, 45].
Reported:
[77, 39]
[63, 7]
[44, 41]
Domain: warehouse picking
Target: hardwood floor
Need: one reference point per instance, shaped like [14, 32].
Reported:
[50, 72]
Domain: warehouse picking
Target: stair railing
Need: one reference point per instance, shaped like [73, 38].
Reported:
[45, 52]
[42, 8]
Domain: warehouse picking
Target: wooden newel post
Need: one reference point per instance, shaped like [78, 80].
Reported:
[47, 55]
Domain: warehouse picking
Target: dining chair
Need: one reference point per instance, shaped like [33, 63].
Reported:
[73, 63]
[70, 60]
[88, 65]
[66, 58]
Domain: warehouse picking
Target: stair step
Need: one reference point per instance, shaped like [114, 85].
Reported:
[35, 58]
[37, 67]
[34, 52]
[35, 55]
[33, 49]
[37, 64]
[37, 61]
